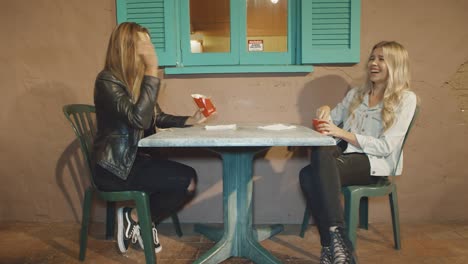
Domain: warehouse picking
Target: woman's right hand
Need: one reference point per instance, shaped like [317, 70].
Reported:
[147, 53]
[196, 118]
[323, 112]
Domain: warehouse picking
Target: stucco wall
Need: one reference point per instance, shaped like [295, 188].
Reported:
[51, 51]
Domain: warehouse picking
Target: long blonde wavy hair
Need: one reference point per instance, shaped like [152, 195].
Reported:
[122, 59]
[398, 81]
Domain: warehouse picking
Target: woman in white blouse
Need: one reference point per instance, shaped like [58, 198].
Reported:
[375, 119]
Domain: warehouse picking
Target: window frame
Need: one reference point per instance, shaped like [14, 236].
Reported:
[202, 59]
[269, 58]
[176, 56]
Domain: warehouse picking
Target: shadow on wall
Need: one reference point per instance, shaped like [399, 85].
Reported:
[277, 191]
[71, 167]
[324, 90]
[36, 143]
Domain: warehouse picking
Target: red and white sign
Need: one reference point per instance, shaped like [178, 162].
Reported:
[255, 45]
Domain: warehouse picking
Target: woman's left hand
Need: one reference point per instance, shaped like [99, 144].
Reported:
[329, 129]
[196, 118]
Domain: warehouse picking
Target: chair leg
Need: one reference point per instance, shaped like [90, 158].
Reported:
[144, 218]
[364, 213]
[305, 221]
[85, 223]
[175, 221]
[110, 220]
[395, 217]
[351, 214]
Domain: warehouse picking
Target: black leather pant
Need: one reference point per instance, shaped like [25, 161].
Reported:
[321, 182]
[164, 180]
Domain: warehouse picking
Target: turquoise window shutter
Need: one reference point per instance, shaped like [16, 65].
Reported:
[330, 31]
[159, 17]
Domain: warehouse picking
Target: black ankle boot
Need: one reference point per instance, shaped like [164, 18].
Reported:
[342, 248]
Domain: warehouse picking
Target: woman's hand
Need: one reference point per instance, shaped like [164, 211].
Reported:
[196, 118]
[147, 53]
[330, 129]
[323, 112]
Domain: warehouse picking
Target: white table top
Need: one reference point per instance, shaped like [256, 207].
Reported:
[246, 135]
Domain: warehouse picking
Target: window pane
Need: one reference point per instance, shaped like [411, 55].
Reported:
[210, 26]
[267, 25]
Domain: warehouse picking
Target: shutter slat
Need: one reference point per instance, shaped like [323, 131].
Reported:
[343, 9]
[317, 27]
[159, 11]
[328, 31]
[329, 37]
[330, 5]
[158, 18]
[146, 21]
[330, 16]
[141, 1]
[330, 21]
[331, 43]
[145, 5]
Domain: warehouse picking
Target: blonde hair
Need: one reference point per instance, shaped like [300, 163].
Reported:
[122, 59]
[398, 81]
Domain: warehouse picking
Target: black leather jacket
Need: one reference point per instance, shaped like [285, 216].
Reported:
[121, 123]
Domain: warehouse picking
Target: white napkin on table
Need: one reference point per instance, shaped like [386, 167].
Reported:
[222, 127]
[277, 127]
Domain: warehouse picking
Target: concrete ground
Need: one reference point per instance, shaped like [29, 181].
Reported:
[55, 243]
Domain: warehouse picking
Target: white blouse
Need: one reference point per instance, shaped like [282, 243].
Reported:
[383, 149]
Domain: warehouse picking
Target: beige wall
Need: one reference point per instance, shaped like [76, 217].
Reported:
[51, 51]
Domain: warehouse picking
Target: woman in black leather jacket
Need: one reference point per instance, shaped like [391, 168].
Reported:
[126, 109]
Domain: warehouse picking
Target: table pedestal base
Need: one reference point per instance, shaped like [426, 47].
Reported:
[238, 238]
[260, 234]
[250, 247]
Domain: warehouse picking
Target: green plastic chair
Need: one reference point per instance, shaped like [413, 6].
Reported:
[356, 199]
[81, 118]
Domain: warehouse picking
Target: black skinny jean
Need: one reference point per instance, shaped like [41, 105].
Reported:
[321, 182]
[165, 181]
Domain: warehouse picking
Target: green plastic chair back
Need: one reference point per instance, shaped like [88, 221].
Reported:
[82, 120]
[357, 201]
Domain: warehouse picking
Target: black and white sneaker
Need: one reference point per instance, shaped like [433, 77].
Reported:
[128, 231]
[326, 256]
[157, 245]
[342, 248]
